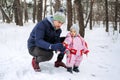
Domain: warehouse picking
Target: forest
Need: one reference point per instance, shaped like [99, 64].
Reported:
[84, 12]
[99, 23]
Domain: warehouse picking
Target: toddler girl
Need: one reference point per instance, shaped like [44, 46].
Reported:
[75, 48]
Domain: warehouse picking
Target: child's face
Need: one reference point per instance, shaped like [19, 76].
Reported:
[73, 32]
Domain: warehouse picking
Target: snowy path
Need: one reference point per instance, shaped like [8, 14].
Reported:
[15, 62]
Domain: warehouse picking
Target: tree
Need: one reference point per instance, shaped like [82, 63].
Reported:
[90, 15]
[74, 13]
[91, 10]
[6, 10]
[57, 5]
[34, 11]
[25, 12]
[106, 14]
[45, 6]
[51, 5]
[18, 13]
[116, 15]
[69, 14]
[119, 27]
[80, 17]
[39, 10]
[5, 15]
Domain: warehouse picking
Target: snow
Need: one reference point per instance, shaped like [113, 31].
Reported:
[101, 63]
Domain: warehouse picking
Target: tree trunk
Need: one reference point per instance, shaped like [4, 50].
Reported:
[45, 8]
[91, 10]
[116, 15]
[119, 27]
[87, 6]
[51, 4]
[4, 15]
[39, 10]
[106, 14]
[90, 16]
[80, 17]
[57, 5]
[25, 12]
[69, 14]
[74, 13]
[34, 11]
[18, 13]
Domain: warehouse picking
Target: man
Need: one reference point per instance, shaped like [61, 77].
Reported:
[45, 38]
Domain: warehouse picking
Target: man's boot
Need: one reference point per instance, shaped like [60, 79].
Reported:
[35, 65]
[59, 62]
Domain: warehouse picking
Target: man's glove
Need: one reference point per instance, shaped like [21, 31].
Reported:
[57, 47]
[62, 50]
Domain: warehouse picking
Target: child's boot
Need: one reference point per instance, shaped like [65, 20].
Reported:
[69, 69]
[75, 68]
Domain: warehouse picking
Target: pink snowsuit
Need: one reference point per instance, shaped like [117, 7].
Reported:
[78, 44]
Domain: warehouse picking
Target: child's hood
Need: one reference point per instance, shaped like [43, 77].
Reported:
[75, 27]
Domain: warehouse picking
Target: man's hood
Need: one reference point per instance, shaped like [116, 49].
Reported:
[50, 19]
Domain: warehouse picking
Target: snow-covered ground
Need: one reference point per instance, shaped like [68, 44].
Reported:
[102, 63]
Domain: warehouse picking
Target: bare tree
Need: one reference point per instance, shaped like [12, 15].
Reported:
[25, 12]
[80, 16]
[69, 14]
[87, 8]
[119, 27]
[116, 15]
[106, 14]
[91, 10]
[51, 5]
[57, 5]
[90, 15]
[6, 10]
[5, 15]
[39, 10]
[45, 6]
[18, 13]
[74, 13]
[34, 11]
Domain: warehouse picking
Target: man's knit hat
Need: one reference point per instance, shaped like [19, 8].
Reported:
[59, 16]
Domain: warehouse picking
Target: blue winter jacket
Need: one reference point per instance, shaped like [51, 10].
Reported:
[44, 34]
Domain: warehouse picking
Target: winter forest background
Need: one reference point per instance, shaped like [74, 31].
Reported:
[77, 11]
[99, 22]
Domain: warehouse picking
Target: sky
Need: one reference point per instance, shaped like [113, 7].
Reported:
[100, 64]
